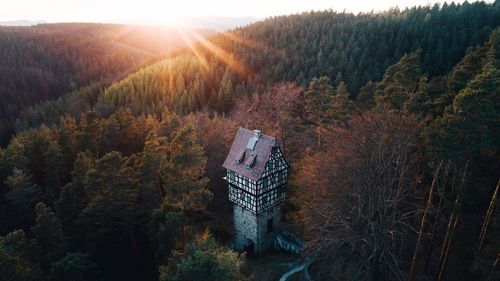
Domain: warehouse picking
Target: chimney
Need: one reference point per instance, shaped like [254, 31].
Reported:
[253, 139]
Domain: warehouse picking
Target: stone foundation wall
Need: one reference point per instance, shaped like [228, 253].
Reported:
[253, 228]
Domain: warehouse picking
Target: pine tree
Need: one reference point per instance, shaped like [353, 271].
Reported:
[22, 194]
[14, 156]
[69, 206]
[204, 260]
[169, 226]
[400, 81]
[225, 93]
[318, 100]
[49, 237]
[74, 197]
[342, 106]
[15, 268]
[90, 132]
[111, 204]
[365, 98]
[149, 175]
[75, 267]
[183, 171]
[170, 122]
[419, 102]
[67, 141]
[52, 171]
[470, 123]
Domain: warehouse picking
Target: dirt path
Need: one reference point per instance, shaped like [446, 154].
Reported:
[299, 266]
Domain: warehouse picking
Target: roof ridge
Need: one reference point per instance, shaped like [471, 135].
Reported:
[259, 151]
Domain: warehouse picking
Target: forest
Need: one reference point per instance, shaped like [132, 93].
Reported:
[46, 61]
[390, 121]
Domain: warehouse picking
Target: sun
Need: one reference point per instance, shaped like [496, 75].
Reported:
[164, 15]
[170, 21]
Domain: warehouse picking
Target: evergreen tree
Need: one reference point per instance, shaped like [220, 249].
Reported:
[71, 203]
[365, 98]
[52, 170]
[12, 157]
[49, 237]
[342, 106]
[68, 144]
[111, 206]
[419, 102]
[400, 82]
[182, 172]
[318, 100]
[204, 260]
[149, 177]
[169, 224]
[225, 94]
[470, 124]
[90, 132]
[18, 258]
[74, 267]
[22, 194]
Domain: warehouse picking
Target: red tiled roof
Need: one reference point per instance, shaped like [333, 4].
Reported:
[261, 152]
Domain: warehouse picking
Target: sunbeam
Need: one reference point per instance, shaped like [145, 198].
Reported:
[254, 45]
[226, 57]
[191, 45]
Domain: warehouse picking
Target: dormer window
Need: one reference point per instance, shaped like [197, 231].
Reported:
[251, 161]
[241, 157]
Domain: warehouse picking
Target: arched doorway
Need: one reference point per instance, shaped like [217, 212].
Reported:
[249, 247]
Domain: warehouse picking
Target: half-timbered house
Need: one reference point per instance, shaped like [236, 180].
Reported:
[257, 172]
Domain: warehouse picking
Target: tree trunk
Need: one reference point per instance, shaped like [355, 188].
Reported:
[493, 268]
[133, 242]
[422, 223]
[451, 227]
[375, 266]
[487, 219]
[446, 246]
[436, 221]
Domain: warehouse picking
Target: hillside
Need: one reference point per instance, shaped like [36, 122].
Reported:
[45, 61]
[344, 47]
[219, 71]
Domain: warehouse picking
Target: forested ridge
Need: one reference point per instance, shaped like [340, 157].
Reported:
[354, 49]
[48, 60]
[389, 120]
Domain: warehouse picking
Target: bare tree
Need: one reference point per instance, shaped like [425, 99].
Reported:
[277, 111]
[423, 222]
[359, 201]
[437, 215]
[452, 225]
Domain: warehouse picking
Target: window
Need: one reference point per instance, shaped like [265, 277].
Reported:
[269, 225]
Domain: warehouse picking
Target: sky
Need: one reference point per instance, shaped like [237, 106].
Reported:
[168, 12]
